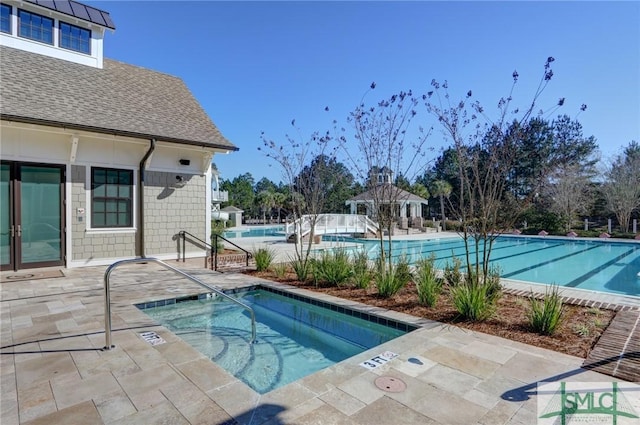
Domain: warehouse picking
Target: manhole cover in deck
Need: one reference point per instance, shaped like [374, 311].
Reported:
[390, 384]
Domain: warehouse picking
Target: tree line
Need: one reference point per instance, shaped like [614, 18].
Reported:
[579, 185]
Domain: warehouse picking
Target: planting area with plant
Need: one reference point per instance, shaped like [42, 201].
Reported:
[481, 307]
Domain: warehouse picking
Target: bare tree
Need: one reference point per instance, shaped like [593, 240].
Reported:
[387, 144]
[569, 192]
[621, 188]
[486, 154]
[295, 155]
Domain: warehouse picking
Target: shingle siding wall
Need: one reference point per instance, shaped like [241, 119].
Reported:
[169, 209]
[94, 246]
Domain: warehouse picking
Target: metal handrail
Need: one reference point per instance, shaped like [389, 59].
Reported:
[107, 295]
[213, 247]
[183, 234]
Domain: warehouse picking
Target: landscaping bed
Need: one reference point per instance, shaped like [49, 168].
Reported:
[579, 331]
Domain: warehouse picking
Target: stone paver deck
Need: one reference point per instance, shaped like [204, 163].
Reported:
[53, 369]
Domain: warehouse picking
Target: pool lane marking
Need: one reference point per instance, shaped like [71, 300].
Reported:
[598, 269]
[494, 249]
[544, 263]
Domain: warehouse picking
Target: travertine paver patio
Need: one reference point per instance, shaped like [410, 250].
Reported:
[53, 370]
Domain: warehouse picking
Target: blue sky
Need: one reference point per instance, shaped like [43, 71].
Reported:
[255, 66]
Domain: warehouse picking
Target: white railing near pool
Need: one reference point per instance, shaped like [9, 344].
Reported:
[331, 223]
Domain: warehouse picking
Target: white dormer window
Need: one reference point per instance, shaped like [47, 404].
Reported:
[66, 30]
[75, 38]
[5, 18]
[35, 27]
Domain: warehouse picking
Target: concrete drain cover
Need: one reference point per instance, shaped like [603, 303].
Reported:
[390, 384]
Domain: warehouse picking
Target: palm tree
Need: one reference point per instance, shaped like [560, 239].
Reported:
[442, 188]
[266, 202]
[279, 200]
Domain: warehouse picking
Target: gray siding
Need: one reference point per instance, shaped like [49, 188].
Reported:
[169, 209]
[93, 246]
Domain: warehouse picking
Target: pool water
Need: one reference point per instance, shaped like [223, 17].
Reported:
[255, 232]
[294, 338]
[603, 266]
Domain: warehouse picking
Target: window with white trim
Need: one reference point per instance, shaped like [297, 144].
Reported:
[35, 27]
[111, 198]
[75, 38]
[5, 18]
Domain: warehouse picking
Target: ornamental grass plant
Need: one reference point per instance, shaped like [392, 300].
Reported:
[428, 285]
[545, 315]
[333, 267]
[263, 258]
[361, 270]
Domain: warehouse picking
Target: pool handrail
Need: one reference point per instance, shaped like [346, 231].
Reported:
[107, 295]
[213, 247]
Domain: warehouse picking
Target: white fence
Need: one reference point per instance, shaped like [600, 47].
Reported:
[331, 223]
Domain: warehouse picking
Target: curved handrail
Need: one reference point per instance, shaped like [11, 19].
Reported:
[107, 295]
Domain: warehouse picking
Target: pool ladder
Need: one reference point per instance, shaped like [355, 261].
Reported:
[107, 295]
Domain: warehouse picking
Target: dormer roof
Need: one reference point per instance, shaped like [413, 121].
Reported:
[78, 10]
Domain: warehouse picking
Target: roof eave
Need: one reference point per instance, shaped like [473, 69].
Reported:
[27, 120]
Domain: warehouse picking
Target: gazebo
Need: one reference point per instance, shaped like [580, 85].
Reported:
[405, 205]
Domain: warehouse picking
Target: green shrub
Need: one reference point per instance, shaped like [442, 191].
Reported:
[454, 226]
[474, 301]
[217, 228]
[361, 276]
[389, 282]
[538, 219]
[301, 268]
[333, 267]
[492, 281]
[403, 269]
[452, 273]
[546, 315]
[264, 258]
[582, 330]
[428, 285]
[280, 270]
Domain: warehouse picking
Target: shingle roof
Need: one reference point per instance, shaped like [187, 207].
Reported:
[231, 209]
[78, 10]
[118, 99]
[386, 191]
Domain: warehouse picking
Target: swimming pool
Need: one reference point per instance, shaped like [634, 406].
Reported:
[296, 336]
[596, 265]
[254, 232]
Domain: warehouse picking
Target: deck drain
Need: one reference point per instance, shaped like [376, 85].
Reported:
[390, 384]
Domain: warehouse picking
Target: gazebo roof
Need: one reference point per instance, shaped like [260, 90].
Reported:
[386, 192]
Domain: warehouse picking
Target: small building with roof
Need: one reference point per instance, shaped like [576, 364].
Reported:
[235, 215]
[404, 206]
[101, 160]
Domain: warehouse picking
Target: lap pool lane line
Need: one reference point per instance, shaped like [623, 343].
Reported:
[544, 263]
[574, 283]
[495, 249]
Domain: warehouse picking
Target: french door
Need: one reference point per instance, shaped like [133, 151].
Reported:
[31, 215]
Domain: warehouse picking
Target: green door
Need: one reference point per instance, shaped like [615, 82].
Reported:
[32, 220]
[6, 219]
